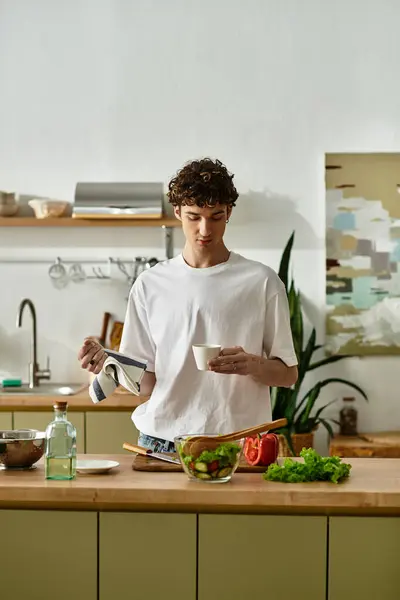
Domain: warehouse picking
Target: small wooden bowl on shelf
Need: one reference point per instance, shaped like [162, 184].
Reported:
[48, 209]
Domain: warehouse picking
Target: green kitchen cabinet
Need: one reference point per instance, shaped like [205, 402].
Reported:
[48, 554]
[257, 556]
[364, 555]
[5, 420]
[147, 555]
[40, 420]
[106, 431]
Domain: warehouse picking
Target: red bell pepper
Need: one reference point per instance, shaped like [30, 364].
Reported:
[213, 466]
[262, 449]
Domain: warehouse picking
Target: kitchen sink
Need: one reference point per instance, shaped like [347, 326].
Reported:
[44, 389]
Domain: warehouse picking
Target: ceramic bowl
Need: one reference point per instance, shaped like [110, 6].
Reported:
[8, 204]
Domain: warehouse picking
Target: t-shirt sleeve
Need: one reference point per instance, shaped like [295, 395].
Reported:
[136, 340]
[278, 340]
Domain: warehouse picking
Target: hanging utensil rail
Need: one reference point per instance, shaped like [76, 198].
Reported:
[129, 267]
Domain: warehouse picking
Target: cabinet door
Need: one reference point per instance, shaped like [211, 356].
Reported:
[5, 420]
[254, 556]
[364, 558]
[48, 554]
[147, 555]
[107, 431]
[40, 420]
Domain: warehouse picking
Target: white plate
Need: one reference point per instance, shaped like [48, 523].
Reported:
[95, 466]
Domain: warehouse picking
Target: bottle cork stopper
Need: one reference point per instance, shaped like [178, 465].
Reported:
[60, 404]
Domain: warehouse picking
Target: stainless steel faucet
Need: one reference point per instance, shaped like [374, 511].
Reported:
[35, 374]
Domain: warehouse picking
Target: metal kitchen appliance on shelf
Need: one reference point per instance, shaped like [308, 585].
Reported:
[119, 200]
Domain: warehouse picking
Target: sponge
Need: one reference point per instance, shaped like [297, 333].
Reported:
[11, 383]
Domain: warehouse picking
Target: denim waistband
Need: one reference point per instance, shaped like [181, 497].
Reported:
[155, 444]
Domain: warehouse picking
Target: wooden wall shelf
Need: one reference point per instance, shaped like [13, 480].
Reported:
[168, 225]
[71, 222]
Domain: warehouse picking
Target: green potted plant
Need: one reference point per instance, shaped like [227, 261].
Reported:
[295, 404]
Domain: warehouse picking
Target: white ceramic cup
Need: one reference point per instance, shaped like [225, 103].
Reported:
[203, 353]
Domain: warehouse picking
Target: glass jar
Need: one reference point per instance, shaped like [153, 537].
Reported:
[348, 417]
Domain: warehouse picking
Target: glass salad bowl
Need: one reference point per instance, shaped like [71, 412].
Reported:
[210, 461]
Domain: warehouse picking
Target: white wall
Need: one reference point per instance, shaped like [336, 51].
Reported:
[129, 90]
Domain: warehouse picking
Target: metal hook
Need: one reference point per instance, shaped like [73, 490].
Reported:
[121, 266]
[99, 273]
[123, 269]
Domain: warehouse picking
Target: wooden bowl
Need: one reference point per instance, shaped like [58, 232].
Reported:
[45, 209]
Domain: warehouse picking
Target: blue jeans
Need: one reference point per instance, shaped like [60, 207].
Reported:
[155, 444]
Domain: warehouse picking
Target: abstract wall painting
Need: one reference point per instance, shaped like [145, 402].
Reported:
[363, 254]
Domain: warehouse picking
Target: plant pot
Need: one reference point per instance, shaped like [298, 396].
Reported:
[299, 441]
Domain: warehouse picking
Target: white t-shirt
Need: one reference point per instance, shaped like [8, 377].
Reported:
[171, 306]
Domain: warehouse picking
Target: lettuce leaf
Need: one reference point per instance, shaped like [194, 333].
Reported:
[226, 454]
[314, 468]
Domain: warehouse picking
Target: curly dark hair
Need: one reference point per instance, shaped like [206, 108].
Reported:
[204, 183]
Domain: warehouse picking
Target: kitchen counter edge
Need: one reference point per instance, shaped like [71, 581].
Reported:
[373, 489]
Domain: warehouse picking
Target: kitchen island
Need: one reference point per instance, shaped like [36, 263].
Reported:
[131, 534]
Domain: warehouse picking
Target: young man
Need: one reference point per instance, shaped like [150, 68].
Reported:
[206, 294]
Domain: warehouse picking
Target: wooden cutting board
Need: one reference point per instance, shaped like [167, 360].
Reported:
[144, 463]
[119, 217]
[383, 444]
[116, 335]
[389, 438]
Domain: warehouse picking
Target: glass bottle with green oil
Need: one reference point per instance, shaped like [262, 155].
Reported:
[60, 453]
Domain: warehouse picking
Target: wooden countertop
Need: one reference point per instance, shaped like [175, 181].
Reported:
[119, 401]
[372, 489]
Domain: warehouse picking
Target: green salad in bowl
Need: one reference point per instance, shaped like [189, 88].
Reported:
[211, 461]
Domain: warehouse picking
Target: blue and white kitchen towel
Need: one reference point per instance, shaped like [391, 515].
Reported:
[118, 369]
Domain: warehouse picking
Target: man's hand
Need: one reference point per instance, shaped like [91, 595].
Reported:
[267, 371]
[92, 355]
[234, 361]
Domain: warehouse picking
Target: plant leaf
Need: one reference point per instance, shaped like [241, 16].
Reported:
[285, 260]
[327, 361]
[296, 325]
[305, 358]
[319, 411]
[291, 295]
[320, 385]
[291, 406]
[284, 404]
[311, 398]
[326, 382]
[328, 427]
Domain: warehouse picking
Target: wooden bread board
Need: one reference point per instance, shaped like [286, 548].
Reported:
[385, 444]
[121, 217]
[388, 438]
[144, 463]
